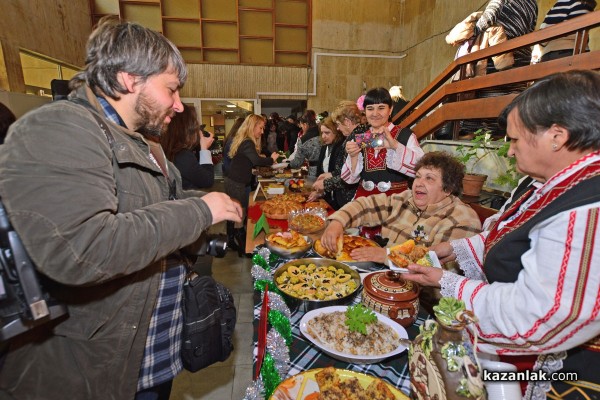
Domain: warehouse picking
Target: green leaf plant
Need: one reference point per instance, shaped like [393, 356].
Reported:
[481, 146]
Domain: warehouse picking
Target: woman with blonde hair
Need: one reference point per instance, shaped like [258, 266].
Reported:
[245, 155]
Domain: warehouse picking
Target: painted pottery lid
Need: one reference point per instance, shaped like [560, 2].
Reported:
[390, 286]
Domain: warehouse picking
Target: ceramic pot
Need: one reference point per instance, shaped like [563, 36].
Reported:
[387, 293]
[441, 365]
[472, 184]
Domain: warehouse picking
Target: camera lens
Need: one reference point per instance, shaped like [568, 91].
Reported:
[217, 246]
[208, 244]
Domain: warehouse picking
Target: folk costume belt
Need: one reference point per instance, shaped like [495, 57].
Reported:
[383, 187]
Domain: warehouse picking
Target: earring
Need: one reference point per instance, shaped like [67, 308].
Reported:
[554, 147]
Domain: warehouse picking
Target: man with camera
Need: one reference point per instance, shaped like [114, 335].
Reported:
[102, 214]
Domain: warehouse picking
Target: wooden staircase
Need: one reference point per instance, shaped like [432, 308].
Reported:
[443, 101]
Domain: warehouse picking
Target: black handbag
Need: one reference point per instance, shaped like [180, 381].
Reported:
[209, 317]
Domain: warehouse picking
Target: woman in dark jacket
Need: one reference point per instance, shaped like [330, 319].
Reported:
[330, 155]
[227, 144]
[309, 145]
[245, 155]
[182, 138]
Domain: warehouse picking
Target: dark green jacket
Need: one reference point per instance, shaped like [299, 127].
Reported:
[98, 224]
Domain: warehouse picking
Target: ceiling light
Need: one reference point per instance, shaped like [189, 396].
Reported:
[231, 105]
[228, 110]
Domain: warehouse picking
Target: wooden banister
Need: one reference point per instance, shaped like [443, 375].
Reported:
[424, 113]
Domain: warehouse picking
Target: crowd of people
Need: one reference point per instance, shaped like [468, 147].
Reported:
[102, 189]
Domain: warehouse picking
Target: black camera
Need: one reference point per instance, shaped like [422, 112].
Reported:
[208, 244]
[24, 302]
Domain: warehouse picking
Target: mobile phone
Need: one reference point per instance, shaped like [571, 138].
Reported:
[369, 140]
[205, 134]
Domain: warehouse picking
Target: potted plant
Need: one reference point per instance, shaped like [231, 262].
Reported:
[480, 147]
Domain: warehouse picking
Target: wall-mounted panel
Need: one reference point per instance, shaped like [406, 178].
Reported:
[256, 3]
[183, 33]
[290, 59]
[292, 12]
[225, 10]
[147, 15]
[219, 35]
[256, 51]
[191, 55]
[222, 24]
[256, 23]
[181, 8]
[293, 39]
[216, 56]
[106, 7]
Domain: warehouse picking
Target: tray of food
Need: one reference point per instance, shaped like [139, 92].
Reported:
[290, 244]
[280, 206]
[347, 244]
[307, 220]
[333, 383]
[265, 172]
[410, 252]
[331, 329]
[310, 283]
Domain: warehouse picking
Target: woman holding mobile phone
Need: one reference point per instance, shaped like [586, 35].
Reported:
[382, 159]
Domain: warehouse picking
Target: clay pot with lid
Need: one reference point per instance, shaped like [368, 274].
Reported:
[387, 293]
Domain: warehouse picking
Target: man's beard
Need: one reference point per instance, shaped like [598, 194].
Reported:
[150, 123]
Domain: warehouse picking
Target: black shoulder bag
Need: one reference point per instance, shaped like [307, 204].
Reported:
[209, 317]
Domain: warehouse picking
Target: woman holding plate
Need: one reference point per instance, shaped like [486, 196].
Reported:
[430, 212]
[533, 279]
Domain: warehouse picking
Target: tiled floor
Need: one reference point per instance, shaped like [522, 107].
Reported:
[229, 379]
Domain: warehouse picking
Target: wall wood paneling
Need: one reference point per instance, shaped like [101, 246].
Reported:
[350, 40]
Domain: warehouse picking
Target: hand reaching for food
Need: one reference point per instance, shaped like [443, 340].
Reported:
[375, 254]
[314, 195]
[332, 235]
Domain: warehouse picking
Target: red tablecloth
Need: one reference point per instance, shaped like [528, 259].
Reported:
[254, 213]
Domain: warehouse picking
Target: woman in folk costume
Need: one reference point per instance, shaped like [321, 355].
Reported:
[386, 165]
[533, 279]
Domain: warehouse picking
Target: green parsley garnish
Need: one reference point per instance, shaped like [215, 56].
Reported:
[357, 318]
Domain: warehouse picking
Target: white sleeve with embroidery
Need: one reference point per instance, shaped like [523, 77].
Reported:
[350, 176]
[469, 255]
[404, 158]
[555, 302]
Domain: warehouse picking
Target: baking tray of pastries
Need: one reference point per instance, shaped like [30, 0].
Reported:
[345, 247]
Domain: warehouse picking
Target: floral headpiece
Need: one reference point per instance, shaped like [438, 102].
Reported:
[360, 103]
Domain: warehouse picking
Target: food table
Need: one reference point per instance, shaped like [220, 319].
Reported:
[254, 213]
[305, 356]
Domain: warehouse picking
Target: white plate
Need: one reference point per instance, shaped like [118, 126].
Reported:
[435, 262]
[281, 165]
[347, 357]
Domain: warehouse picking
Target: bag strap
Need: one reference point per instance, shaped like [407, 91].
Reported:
[100, 121]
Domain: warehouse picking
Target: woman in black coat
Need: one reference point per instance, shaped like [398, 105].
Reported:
[245, 155]
[182, 138]
[330, 153]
